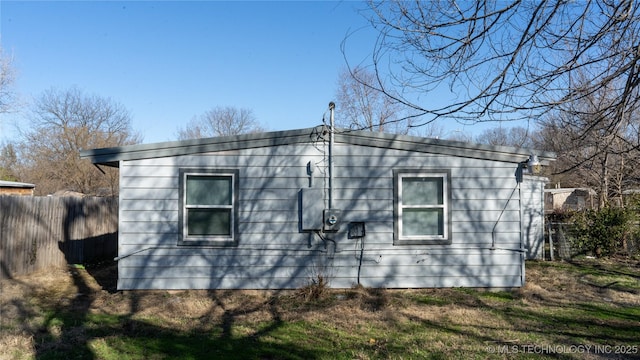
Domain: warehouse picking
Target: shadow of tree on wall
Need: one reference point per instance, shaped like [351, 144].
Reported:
[271, 253]
[486, 245]
[486, 250]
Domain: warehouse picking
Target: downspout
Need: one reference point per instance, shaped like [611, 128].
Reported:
[332, 107]
[522, 252]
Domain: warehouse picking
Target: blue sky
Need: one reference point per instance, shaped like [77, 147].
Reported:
[170, 61]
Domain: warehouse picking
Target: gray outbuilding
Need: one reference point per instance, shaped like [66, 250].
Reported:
[283, 209]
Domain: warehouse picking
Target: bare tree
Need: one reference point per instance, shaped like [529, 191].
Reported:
[8, 163]
[220, 121]
[361, 107]
[63, 123]
[7, 81]
[8, 95]
[8, 102]
[437, 131]
[459, 136]
[517, 136]
[594, 145]
[504, 60]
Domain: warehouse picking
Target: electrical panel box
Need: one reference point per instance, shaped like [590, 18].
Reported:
[356, 230]
[332, 219]
[311, 209]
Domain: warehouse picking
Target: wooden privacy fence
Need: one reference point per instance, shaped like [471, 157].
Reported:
[37, 233]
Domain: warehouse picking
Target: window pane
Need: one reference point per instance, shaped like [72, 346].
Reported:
[422, 191]
[422, 222]
[208, 190]
[209, 222]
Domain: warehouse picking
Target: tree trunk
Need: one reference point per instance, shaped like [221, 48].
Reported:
[604, 182]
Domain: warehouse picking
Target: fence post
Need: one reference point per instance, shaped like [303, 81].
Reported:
[550, 241]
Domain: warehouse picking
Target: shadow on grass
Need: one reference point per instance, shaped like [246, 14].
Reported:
[141, 340]
[546, 332]
[73, 329]
[62, 329]
[516, 320]
[622, 267]
[133, 339]
[105, 274]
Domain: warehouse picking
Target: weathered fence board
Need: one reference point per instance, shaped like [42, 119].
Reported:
[37, 233]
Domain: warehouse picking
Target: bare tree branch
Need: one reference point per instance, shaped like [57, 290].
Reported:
[361, 107]
[8, 97]
[502, 60]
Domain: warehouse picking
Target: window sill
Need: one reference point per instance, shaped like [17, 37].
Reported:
[209, 243]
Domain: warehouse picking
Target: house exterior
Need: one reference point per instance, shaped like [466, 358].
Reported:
[281, 209]
[16, 188]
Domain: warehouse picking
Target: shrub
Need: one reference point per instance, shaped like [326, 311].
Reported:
[602, 232]
[315, 290]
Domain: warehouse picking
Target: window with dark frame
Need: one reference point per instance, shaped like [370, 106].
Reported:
[208, 211]
[422, 207]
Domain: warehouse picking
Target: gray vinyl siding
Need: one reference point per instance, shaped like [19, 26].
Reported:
[273, 253]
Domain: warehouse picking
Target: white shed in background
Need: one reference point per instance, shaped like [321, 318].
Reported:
[567, 199]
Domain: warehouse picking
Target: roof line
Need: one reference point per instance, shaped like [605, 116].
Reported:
[112, 156]
[16, 184]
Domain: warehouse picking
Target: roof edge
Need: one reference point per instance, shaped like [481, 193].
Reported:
[112, 156]
[16, 184]
[449, 147]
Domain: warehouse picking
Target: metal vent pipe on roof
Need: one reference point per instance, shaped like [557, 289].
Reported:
[332, 107]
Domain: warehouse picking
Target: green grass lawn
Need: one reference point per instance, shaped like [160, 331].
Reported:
[586, 309]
